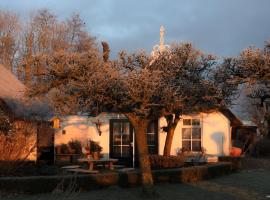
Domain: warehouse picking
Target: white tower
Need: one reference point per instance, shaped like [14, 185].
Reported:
[157, 49]
[161, 40]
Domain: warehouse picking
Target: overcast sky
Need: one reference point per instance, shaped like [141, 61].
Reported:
[221, 27]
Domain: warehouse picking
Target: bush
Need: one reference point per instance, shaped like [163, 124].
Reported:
[64, 149]
[16, 147]
[236, 161]
[76, 146]
[95, 147]
[166, 162]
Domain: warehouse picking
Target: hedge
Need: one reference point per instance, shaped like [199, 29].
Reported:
[236, 161]
[166, 162]
[44, 184]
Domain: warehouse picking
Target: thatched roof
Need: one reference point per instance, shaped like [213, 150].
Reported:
[10, 86]
[12, 92]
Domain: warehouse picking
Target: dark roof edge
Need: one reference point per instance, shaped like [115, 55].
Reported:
[235, 121]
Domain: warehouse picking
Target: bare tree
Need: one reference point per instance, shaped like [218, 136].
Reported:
[106, 51]
[44, 36]
[17, 143]
[252, 68]
[9, 29]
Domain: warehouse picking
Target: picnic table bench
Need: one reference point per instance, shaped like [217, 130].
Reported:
[79, 170]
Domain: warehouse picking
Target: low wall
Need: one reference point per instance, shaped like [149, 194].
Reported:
[44, 184]
[235, 161]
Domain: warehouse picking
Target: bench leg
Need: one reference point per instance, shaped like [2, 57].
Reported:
[111, 166]
[91, 166]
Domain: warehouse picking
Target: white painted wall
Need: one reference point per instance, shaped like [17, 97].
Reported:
[215, 132]
[83, 129]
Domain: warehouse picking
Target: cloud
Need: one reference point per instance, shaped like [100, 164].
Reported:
[215, 26]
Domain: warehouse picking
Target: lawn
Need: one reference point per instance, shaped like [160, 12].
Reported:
[248, 184]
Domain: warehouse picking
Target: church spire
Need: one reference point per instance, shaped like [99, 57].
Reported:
[157, 49]
[161, 40]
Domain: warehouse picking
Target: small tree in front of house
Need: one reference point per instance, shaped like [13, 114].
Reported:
[197, 84]
[88, 85]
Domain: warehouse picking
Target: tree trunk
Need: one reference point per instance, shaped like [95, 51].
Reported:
[171, 125]
[140, 126]
[168, 142]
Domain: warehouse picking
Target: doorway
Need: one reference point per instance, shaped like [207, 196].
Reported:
[122, 140]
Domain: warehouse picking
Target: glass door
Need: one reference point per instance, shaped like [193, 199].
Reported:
[121, 140]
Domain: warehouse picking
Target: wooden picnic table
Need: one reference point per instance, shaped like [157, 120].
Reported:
[91, 162]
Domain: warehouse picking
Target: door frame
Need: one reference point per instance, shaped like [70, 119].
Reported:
[126, 161]
[133, 160]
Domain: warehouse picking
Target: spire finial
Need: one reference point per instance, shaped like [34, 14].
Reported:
[162, 32]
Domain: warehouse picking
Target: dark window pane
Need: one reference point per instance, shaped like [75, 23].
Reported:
[116, 139]
[125, 133]
[186, 133]
[195, 122]
[125, 151]
[125, 128]
[186, 122]
[117, 151]
[196, 146]
[125, 139]
[186, 145]
[116, 128]
[151, 127]
[152, 150]
[151, 139]
[196, 133]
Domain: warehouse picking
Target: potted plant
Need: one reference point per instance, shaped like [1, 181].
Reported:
[95, 150]
[76, 146]
[58, 149]
[64, 149]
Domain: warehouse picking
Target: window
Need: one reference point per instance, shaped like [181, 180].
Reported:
[152, 137]
[191, 135]
[121, 138]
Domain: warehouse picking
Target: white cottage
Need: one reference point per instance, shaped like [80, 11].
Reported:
[212, 131]
[115, 134]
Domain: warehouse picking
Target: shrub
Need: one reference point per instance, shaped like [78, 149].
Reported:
[166, 162]
[236, 161]
[16, 147]
[95, 147]
[64, 149]
[76, 146]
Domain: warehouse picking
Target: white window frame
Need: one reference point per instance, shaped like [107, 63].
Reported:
[191, 128]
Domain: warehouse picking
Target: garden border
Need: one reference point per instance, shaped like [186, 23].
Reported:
[44, 184]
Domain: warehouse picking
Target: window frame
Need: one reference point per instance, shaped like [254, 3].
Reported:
[191, 126]
[155, 146]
